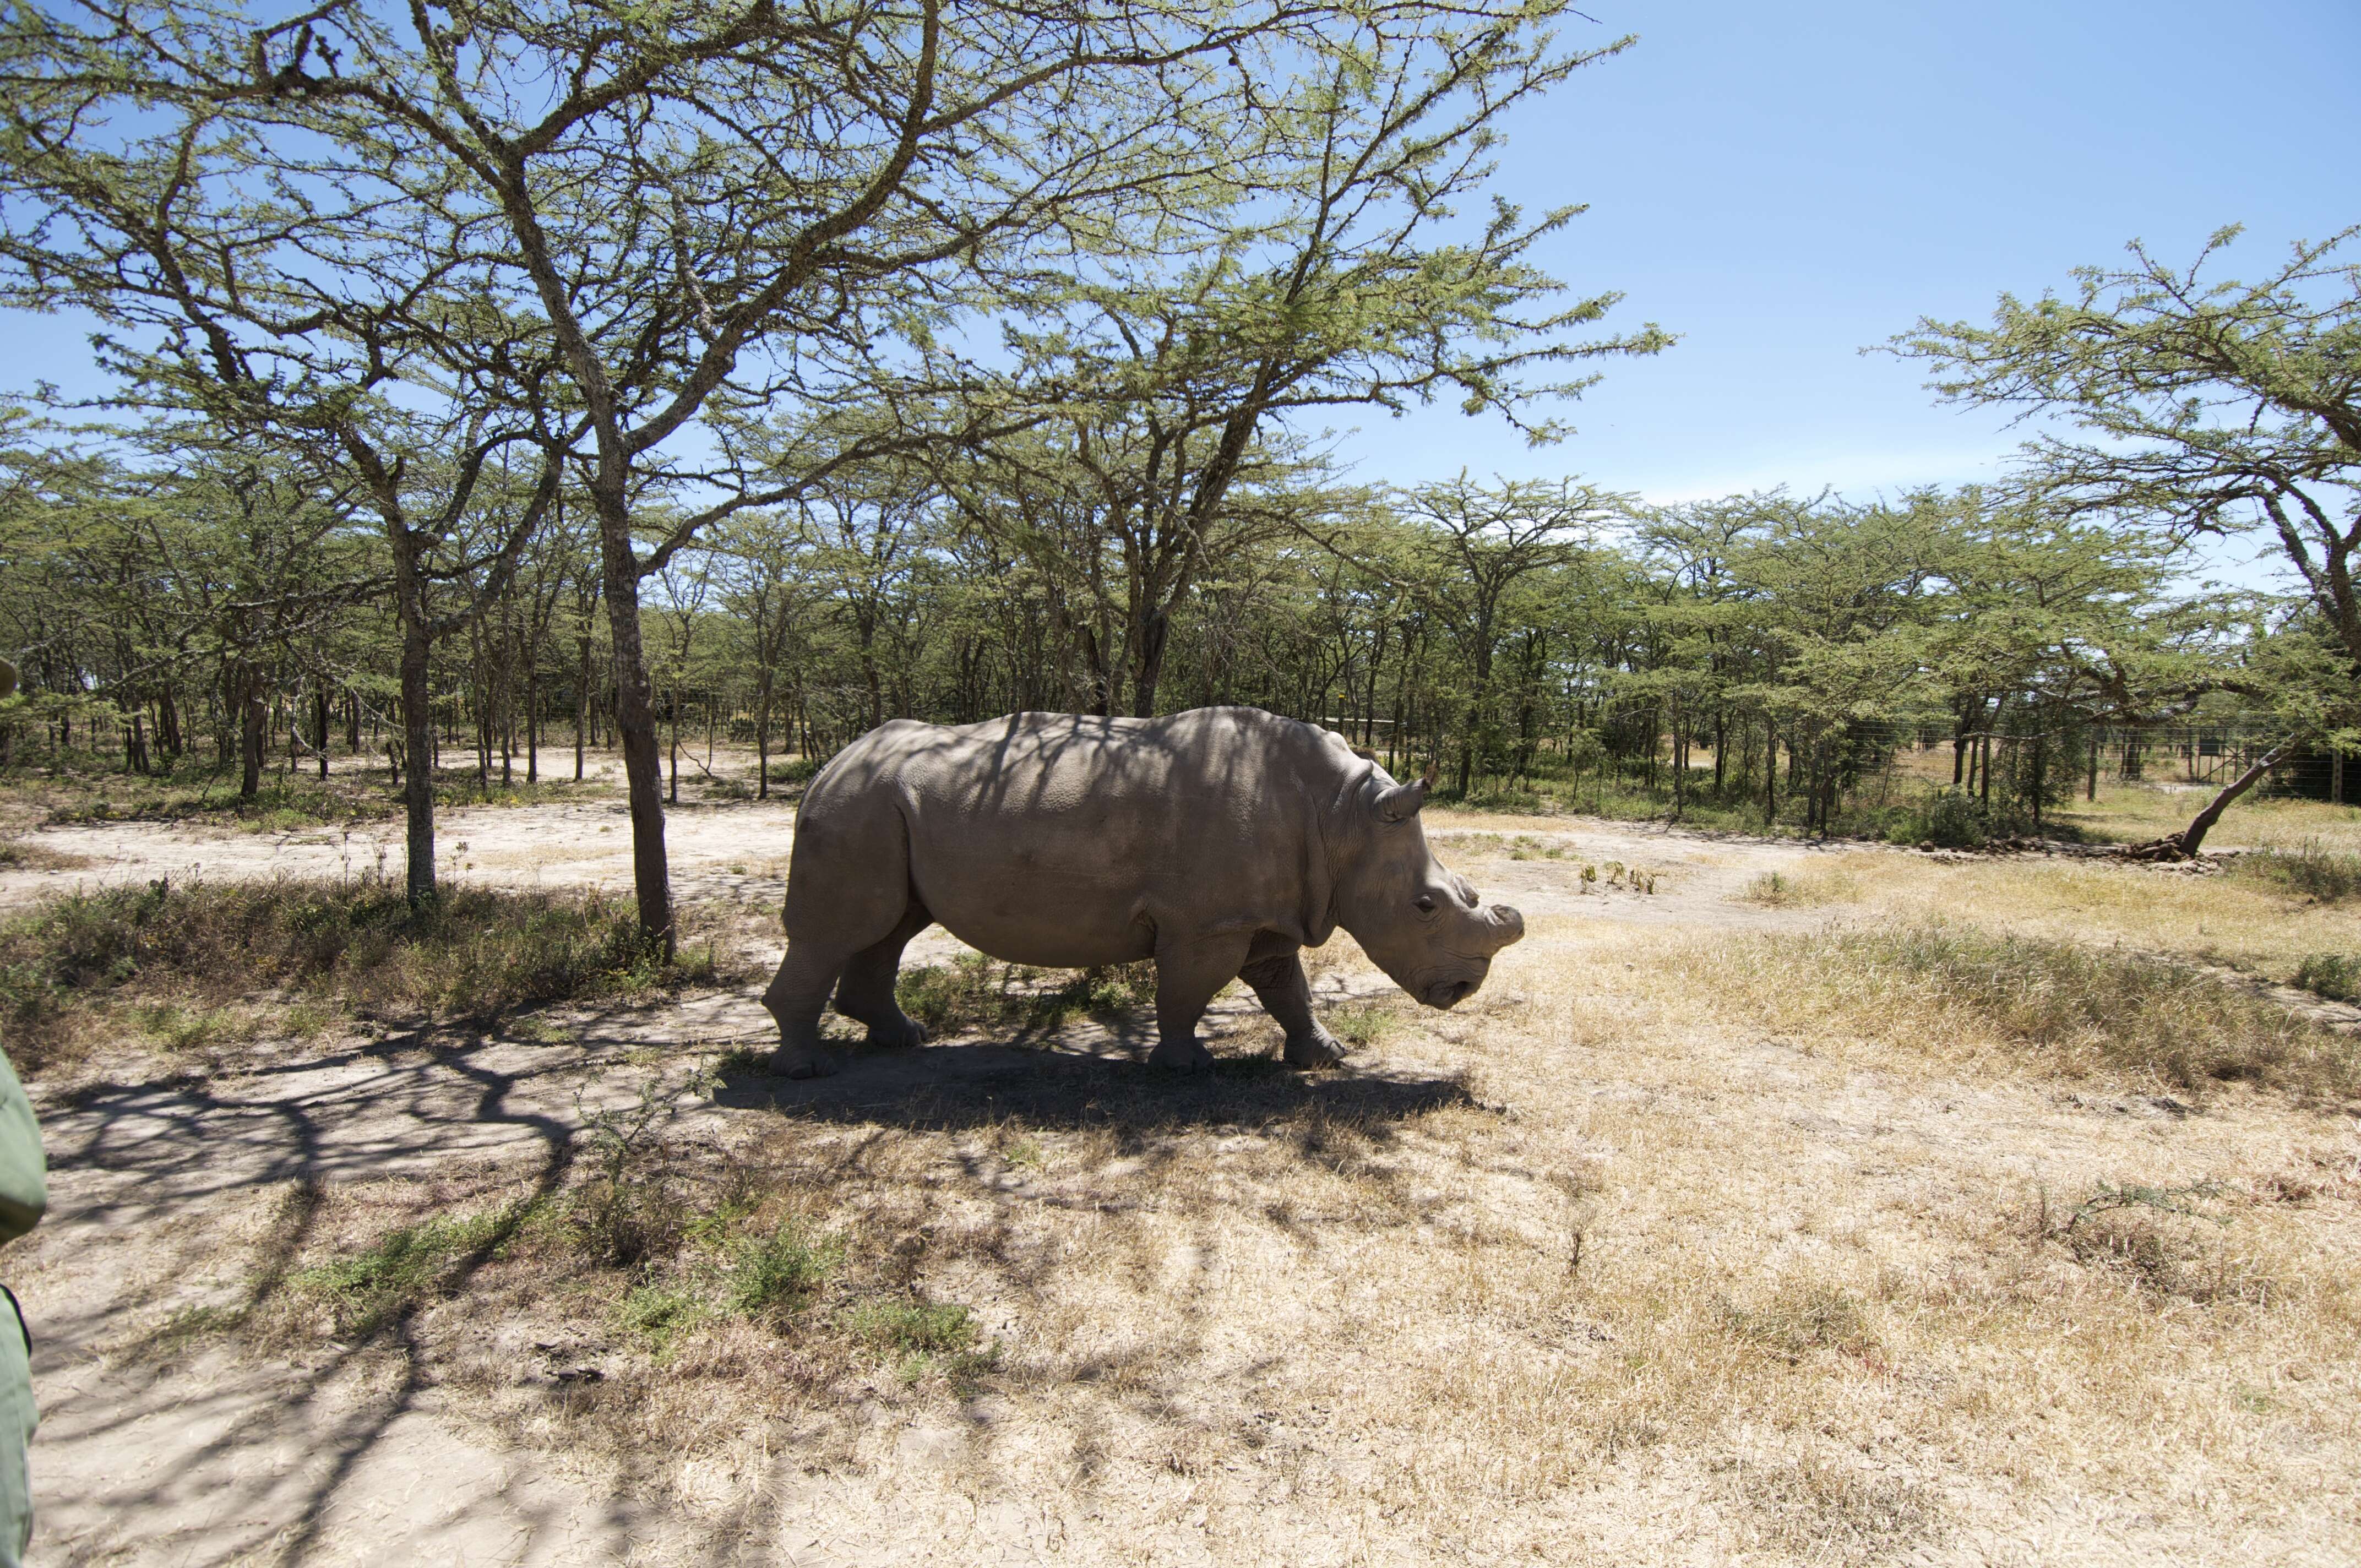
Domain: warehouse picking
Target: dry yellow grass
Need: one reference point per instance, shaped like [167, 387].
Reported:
[1657, 1252]
[2214, 919]
[2133, 813]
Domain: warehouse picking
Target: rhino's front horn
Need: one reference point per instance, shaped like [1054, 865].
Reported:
[1508, 926]
[1402, 801]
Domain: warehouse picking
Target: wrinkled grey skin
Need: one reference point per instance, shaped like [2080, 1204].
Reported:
[1218, 842]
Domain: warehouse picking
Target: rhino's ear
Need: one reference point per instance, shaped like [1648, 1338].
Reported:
[1402, 801]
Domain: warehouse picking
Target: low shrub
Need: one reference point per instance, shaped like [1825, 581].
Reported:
[475, 952]
[2309, 870]
[782, 1270]
[2073, 1009]
[2336, 976]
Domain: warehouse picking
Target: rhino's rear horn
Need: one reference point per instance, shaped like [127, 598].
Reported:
[1402, 801]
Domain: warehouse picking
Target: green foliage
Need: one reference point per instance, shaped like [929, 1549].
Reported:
[2336, 976]
[2311, 871]
[402, 1269]
[660, 1314]
[2205, 403]
[782, 1271]
[974, 992]
[1949, 818]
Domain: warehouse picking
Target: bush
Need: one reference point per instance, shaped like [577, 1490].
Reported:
[2310, 870]
[475, 952]
[2336, 976]
[784, 1269]
[1950, 819]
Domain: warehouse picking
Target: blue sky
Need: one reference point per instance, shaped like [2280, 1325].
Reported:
[1783, 185]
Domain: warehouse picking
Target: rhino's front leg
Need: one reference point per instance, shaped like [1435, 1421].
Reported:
[1286, 992]
[1188, 976]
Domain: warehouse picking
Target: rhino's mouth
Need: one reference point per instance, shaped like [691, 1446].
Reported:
[1447, 992]
[1450, 991]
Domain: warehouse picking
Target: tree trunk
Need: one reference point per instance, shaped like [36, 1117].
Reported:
[254, 722]
[418, 750]
[1148, 662]
[581, 702]
[2184, 845]
[762, 736]
[635, 725]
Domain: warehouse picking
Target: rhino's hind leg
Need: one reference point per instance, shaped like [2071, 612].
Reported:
[865, 994]
[1188, 976]
[797, 994]
[1285, 991]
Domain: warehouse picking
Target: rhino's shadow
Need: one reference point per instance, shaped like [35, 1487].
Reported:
[962, 1084]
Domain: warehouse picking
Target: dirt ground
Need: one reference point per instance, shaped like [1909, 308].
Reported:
[1596, 1268]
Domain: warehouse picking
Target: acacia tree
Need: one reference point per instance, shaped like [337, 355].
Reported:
[2208, 407]
[1344, 276]
[1476, 545]
[323, 301]
[712, 214]
[759, 559]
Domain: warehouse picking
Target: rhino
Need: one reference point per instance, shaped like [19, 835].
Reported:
[1220, 843]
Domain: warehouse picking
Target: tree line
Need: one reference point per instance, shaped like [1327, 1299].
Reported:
[473, 369]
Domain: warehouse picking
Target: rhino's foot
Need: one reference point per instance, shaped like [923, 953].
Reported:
[1180, 1056]
[1319, 1048]
[802, 1061]
[900, 1034]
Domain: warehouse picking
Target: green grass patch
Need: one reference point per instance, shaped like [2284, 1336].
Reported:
[1363, 1023]
[924, 1337]
[660, 1314]
[2336, 976]
[281, 803]
[181, 951]
[975, 992]
[404, 1269]
[2309, 871]
[782, 1271]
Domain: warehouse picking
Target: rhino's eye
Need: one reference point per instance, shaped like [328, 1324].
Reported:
[1425, 905]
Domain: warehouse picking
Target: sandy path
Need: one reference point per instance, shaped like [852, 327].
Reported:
[717, 851]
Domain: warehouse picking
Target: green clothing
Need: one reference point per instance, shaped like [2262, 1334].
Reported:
[24, 1169]
[24, 1194]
